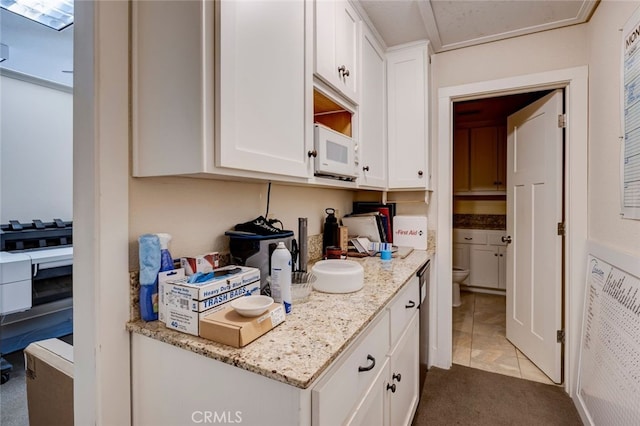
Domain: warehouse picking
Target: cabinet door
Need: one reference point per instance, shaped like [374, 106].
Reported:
[170, 96]
[373, 410]
[347, 24]
[502, 268]
[262, 87]
[483, 159]
[405, 375]
[373, 142]
[483, 270]
[461, 160]
[461, 258]
[336, 45]
[407, 118]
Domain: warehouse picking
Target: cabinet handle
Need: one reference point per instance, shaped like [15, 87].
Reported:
[506, 239]
[501, 255]
[410, 305]
[420, 173]
[343, 71]
[495, 254]
[468, 238]
[370, 366]
[365, 169]
[313, 153]
[392, 387]
[397, 376]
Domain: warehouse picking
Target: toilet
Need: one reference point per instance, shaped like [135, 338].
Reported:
[458, 275]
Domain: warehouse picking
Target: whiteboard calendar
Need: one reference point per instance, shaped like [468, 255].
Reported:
[609, 372]
[630, 158]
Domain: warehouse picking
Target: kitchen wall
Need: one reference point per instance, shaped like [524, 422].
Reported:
[596, 44]
[36, 152]
[604, 50]
[197, 212]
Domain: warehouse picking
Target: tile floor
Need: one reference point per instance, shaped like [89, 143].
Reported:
[479, 338]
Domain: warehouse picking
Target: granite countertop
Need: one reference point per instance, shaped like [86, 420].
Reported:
[297, 351]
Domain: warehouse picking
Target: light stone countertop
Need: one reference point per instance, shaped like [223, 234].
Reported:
[314, 334]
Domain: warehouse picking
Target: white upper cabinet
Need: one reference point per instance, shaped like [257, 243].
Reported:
[407, 94]
[261, 87]
[373, 141]
[172, 95]
[222, 91]
[337, 27]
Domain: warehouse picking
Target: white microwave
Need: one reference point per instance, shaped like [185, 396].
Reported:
[335, 154]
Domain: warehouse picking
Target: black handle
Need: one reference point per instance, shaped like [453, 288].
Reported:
[313, 153]
[397, 376]
[420, 173]
[468, 238]
[506, 239]
[410, 305]
[370, 366]
[365, 169]
[392, 387]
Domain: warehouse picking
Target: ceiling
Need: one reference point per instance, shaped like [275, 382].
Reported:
[455, 24]
[45, 53]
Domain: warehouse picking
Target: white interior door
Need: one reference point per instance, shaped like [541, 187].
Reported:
[534, 209]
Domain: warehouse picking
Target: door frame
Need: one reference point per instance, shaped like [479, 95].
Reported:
[574, 81]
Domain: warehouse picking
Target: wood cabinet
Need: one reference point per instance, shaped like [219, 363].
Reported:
[408, 118]
[373, 141]
[479, 157]
[484, 254]
[337, 27]
[212, 96]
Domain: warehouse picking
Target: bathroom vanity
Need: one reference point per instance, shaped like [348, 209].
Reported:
[483, 253]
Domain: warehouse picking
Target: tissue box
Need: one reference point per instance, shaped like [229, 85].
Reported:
[410, 231]
[203, 263]
[186, 303]
[230, 328]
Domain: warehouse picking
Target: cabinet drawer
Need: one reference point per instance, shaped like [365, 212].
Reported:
[337, 394]
[470, 236]
[402, 308]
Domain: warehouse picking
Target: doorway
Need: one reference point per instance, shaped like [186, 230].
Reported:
[479, 206]
[574, 81]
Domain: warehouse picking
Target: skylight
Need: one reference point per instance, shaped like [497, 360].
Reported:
[56, 14]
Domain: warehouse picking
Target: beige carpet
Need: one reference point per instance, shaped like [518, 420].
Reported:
[467, 396]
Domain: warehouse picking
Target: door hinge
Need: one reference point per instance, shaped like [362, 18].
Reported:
[562, 120]
[560, 336]
[561, 228]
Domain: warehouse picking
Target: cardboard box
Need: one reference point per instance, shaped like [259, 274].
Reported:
[410, 231]
[49, 377]
[186, 303]
[229, 327]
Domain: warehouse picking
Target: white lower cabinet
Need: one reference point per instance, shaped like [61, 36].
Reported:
[403, 389]
[374, 406]
[374, 382]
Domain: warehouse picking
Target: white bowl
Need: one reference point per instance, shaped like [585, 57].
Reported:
[338, 276]
[251, 306]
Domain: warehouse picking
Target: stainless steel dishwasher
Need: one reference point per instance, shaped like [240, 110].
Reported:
[423, 281]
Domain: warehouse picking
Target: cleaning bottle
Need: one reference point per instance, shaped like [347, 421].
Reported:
[166, 261]
[149, 254]
[281, 276]
[330, 234]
